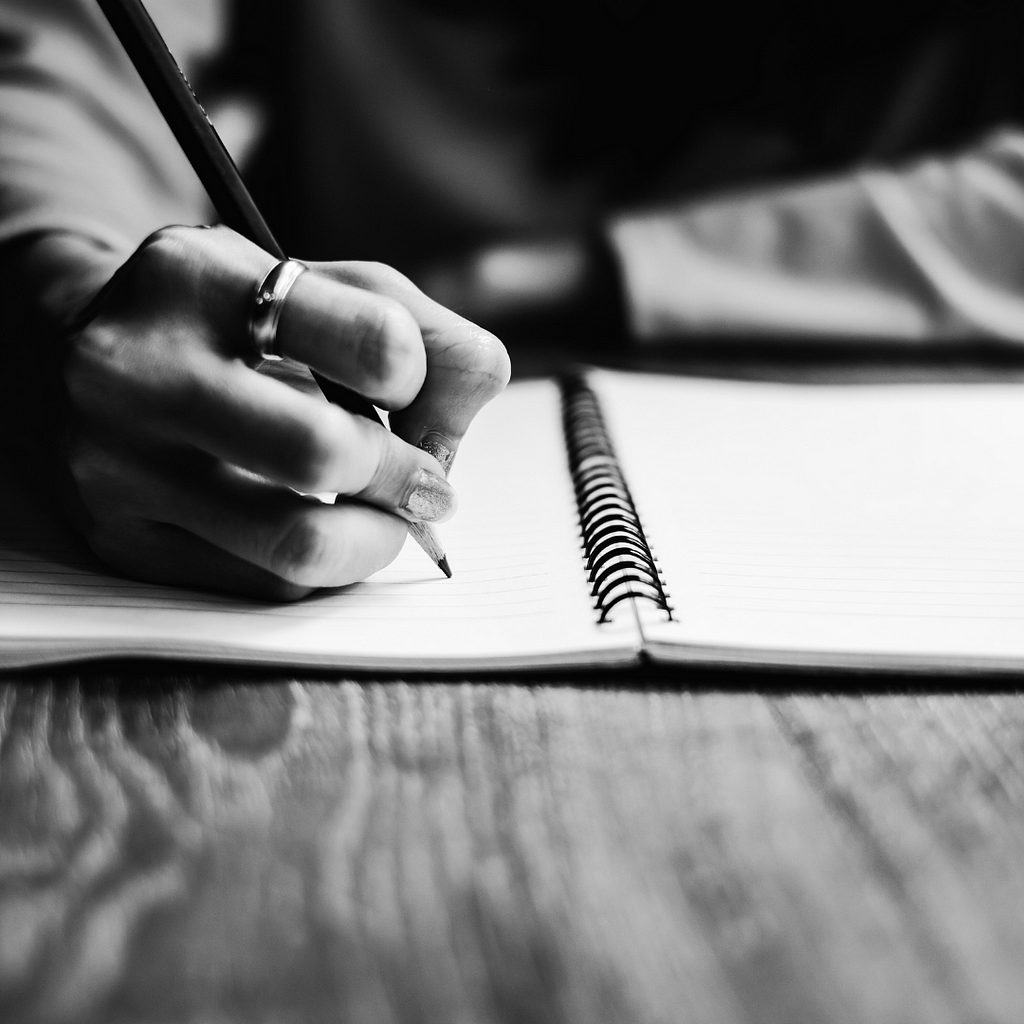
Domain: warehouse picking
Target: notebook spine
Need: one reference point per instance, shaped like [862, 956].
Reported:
[619, 562]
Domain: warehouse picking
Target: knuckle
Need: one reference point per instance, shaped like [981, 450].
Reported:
[107, 372]
[299, 550]
[170, 262]
[492, 360]
[387, 548]
[315, 451]
[172, 238]
[87, 467]
[389, 349]
[389, 473]
[368, 340]
[358, 554]
[89, 354]
[375, 276]
[162, 248]
[481, 362]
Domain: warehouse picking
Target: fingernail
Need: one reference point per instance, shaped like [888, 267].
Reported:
[440, 447]
[431, 500]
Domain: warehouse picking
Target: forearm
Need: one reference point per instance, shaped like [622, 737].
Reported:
[934, 250]
[82, 147]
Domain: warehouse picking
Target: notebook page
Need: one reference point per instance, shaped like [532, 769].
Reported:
[519, 594]
[830, 524]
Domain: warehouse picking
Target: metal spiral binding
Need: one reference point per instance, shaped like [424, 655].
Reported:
[619, 562]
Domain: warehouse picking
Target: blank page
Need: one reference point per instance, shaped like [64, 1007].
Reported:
[519, 595]
[829, 524]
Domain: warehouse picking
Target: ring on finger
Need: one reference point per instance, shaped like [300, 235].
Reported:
[268, 303]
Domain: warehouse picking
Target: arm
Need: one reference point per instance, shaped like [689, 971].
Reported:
[83, 148]
[934, 250]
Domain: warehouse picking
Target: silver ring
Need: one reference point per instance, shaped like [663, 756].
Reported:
[267, 305]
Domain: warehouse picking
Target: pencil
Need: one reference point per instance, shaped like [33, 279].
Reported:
[215, 168]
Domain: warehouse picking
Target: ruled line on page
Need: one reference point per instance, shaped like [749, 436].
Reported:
[879, 613]
[893, 584]
[74, 581]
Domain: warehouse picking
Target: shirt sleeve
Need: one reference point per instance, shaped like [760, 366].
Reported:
[933, 250]
[83, 147]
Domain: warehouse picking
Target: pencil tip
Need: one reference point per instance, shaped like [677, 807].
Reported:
[424, 536]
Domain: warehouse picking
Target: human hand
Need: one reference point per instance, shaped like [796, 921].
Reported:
[187, 464]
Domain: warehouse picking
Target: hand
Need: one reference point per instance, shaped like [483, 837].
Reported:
[188, 464]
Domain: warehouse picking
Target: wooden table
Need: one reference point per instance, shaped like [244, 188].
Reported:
[190, 844]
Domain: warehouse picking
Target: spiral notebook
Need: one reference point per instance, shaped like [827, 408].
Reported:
[611, 517]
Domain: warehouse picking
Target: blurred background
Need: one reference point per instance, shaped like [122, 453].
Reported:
[489, 149]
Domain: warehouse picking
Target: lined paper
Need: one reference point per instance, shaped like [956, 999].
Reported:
[826, 524]
[829, 523]
[519, 595]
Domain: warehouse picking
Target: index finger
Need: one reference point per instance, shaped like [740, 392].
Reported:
[466, 365]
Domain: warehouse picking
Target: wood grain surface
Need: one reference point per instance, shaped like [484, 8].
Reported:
[277, 850]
